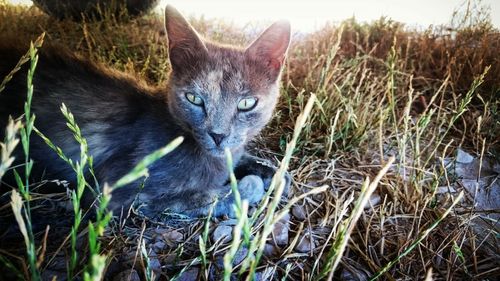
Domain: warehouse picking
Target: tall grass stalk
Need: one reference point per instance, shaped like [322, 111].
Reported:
[148, 272]
[7, 148]
[203, 240]
[24, 59]
[236, 243]
[462, 108]
[241, 211]
[18, 206]
[77, 193]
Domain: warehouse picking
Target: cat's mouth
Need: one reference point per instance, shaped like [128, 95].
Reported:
[211, 148]
[216, 148]
[216, 152]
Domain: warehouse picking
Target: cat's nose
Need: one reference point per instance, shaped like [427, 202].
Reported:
[218, 138]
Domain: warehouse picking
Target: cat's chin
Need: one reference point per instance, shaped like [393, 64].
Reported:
[216, 152]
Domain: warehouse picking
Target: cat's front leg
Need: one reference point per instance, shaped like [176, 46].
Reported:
[251, 165]
[198, 202]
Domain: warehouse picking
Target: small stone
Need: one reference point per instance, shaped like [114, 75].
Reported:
[318, 197]
[352, 274]
[258, 276]
[127, 275]
[464, 157]
[154, 262]
[114, 267]
[299, 212]
[374, 201]
[263, 275]
[270, 250]
[159, 246]
[240, 255]
[189, 275]
[280, 231]
[223, 232]
[170, 258]
[174, 237]
[305, 245]
[128, 257]
[445, 190]
[171, 237]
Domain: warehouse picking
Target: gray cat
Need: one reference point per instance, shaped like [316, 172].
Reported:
[217, 97]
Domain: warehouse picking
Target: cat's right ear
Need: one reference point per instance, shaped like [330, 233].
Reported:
[185, 46]
[271, 47]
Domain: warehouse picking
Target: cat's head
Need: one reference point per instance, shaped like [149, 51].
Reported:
[223, 95]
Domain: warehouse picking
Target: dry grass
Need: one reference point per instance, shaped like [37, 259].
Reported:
[382, 90]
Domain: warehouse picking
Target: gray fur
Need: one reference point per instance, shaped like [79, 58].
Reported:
[123, 120]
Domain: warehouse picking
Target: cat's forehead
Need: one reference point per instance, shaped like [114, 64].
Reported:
[224, 70]
[219, 80]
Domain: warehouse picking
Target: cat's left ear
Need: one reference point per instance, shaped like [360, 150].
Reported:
[271, 47]
[185, 46]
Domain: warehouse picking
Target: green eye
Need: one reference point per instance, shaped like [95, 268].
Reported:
[247, 104]
[194, 99]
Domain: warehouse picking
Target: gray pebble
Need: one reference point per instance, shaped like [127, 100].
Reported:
[189, 275]
[374, 201]
[280, 231]
[299, 212]
[305, 244]
[270, 251]
[238, 257]
[154, 262]
[159, 246]
[464, 157]
[223, 232]
[173, 237]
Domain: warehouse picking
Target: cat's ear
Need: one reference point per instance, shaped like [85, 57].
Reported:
[185, 46]
[271, 47]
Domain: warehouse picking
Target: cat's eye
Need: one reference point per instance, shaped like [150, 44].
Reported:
[247, 104]
[194, 99]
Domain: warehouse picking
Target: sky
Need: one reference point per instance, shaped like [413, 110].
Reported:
[307, 15]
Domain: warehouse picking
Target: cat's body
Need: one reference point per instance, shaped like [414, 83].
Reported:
[217, 97]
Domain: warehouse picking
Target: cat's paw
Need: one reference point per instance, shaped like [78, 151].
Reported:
[267, 172]
[251, 188]
[263, 168]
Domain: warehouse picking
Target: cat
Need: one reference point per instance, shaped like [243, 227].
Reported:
[216, 97]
